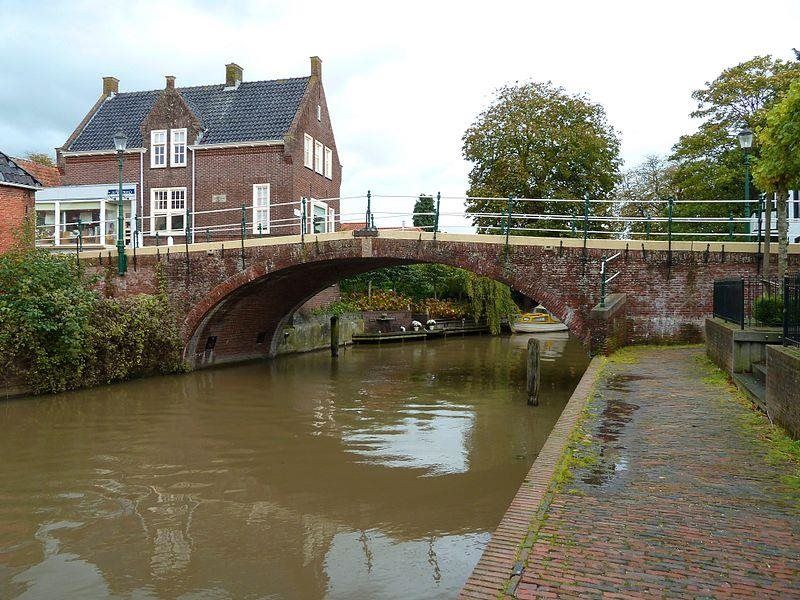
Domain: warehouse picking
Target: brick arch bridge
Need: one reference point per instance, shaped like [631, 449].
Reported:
[245, 309]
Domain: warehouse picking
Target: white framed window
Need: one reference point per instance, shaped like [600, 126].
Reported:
[319, 112]
[320, 219]
[178, 154]
[328, 163]
[158, 148]
[308, 151]
[261, 207]
[318, 166]
[168, 211]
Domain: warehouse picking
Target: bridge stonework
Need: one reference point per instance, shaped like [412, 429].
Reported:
[230, 313]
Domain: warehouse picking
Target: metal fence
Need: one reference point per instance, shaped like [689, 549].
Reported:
[729, 300]
[791, 310]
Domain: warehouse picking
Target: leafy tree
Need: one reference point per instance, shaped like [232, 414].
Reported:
[778, 168]
[40, 158]
[740, 93]
[709, 162]
[424, 204]
[538, 141]
[45, 308]
[641, 191]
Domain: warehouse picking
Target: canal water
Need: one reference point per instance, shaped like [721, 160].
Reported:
[379, 475]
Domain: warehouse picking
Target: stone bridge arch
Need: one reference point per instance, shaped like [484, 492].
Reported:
[245, 313]
[242, 292]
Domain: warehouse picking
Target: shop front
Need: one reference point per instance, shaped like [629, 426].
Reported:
[84, 215]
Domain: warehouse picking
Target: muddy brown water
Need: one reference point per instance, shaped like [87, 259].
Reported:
[379, 475]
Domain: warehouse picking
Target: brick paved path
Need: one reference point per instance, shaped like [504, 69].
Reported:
[681, 504]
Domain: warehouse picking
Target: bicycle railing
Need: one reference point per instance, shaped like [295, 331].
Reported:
[605, 279]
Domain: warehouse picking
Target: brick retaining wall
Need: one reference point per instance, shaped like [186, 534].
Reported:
[783, 388]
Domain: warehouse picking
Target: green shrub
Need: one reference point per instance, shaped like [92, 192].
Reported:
[768, 311]
[57, 333]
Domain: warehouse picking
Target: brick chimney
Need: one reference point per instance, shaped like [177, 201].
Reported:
[316, 67]
[170, 82]
[110, 86]
[233, 75]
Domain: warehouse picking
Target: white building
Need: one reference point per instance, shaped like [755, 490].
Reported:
[793, 216]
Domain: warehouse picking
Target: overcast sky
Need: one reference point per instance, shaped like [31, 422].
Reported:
[403, 79]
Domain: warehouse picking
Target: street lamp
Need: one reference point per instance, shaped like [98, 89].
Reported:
[745, 143]
[120, 143]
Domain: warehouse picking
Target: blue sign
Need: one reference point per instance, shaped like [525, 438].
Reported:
[129, 191]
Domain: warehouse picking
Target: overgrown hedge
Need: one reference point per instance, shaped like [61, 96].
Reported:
[57, 333]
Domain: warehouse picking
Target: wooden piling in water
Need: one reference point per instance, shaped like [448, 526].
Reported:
[532, 381]
[334, 336]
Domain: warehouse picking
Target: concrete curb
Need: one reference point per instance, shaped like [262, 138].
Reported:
[497, 564]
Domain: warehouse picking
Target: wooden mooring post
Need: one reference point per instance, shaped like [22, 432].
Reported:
[334, 336]
[532, 383]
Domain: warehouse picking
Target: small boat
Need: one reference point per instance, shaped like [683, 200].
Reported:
[539, 321]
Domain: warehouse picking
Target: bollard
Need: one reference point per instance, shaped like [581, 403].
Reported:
[533, 374]
[334, 336]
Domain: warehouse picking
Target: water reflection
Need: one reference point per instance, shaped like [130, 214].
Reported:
[380, 475]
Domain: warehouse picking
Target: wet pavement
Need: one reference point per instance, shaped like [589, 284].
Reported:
[673, 498]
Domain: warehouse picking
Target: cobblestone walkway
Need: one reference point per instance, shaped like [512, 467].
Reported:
[680, 501]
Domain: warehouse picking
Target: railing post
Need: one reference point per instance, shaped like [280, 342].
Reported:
[603, 282]
[244, 224]
[669, 233]
[303, 218]
[509, 210]
[760, 213]
[730, 225]
[80, 235]
[208, 235]
[647, 228]
[260, 231]
[436, 216]
[585, 224]
[187, 226]
[135, 240]
[368, 221]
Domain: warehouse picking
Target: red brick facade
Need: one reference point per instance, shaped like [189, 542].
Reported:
[217, 172]
[15, 204]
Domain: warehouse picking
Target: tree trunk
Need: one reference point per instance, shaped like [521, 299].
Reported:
[783, 233]
[767, 235]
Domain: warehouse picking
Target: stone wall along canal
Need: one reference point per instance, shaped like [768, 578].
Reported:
[378, 475]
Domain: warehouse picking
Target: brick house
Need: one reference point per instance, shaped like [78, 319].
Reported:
[258, 144]
[17, 188]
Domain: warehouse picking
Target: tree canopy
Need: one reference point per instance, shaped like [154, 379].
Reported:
[538, 141]
[778, 168]
[424, 204]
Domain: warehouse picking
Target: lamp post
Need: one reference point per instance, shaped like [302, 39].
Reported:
[745, 143]
[120, 143]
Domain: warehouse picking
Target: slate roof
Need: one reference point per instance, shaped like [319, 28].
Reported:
[11, 172]
[255, 111]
